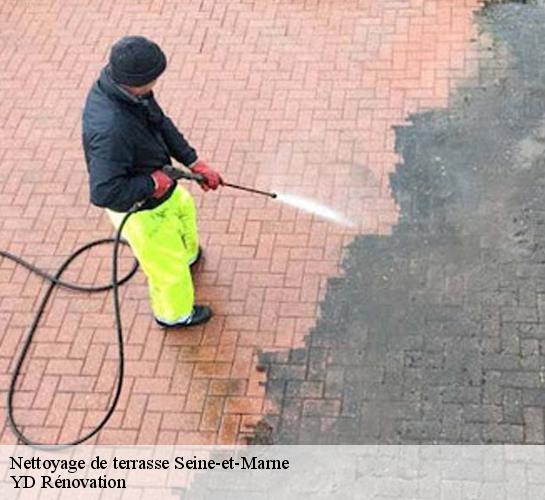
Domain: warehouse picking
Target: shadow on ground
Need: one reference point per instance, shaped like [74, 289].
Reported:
[437, 333]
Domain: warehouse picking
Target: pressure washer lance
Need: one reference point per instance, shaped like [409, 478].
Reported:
[176, 174]
[55, 280]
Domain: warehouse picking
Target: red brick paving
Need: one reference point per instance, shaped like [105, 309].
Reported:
[295, 96]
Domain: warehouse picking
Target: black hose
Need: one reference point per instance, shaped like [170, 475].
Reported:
[54, 280]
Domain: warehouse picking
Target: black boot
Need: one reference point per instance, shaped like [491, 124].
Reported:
[200, 314]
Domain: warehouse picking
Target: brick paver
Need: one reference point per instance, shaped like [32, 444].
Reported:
[294, 96]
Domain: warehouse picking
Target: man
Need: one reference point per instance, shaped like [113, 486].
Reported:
[127, 139]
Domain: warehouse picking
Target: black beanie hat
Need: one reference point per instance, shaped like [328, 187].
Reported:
[136, 61]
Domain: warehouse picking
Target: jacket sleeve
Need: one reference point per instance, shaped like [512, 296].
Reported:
[178, 146]
[109, 158]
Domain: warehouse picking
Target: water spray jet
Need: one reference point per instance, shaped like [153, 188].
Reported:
[299, 202]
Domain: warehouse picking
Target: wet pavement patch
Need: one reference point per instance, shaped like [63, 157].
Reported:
[437, 332]
[488, 3]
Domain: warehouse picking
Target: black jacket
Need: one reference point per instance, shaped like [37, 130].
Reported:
[125, 139]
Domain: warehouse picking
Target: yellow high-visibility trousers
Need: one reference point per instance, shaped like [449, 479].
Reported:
[165, 241]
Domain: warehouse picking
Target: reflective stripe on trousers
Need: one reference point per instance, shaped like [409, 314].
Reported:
[165, 241]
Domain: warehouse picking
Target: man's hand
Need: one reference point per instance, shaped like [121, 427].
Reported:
[212, 179]
[162, 183]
